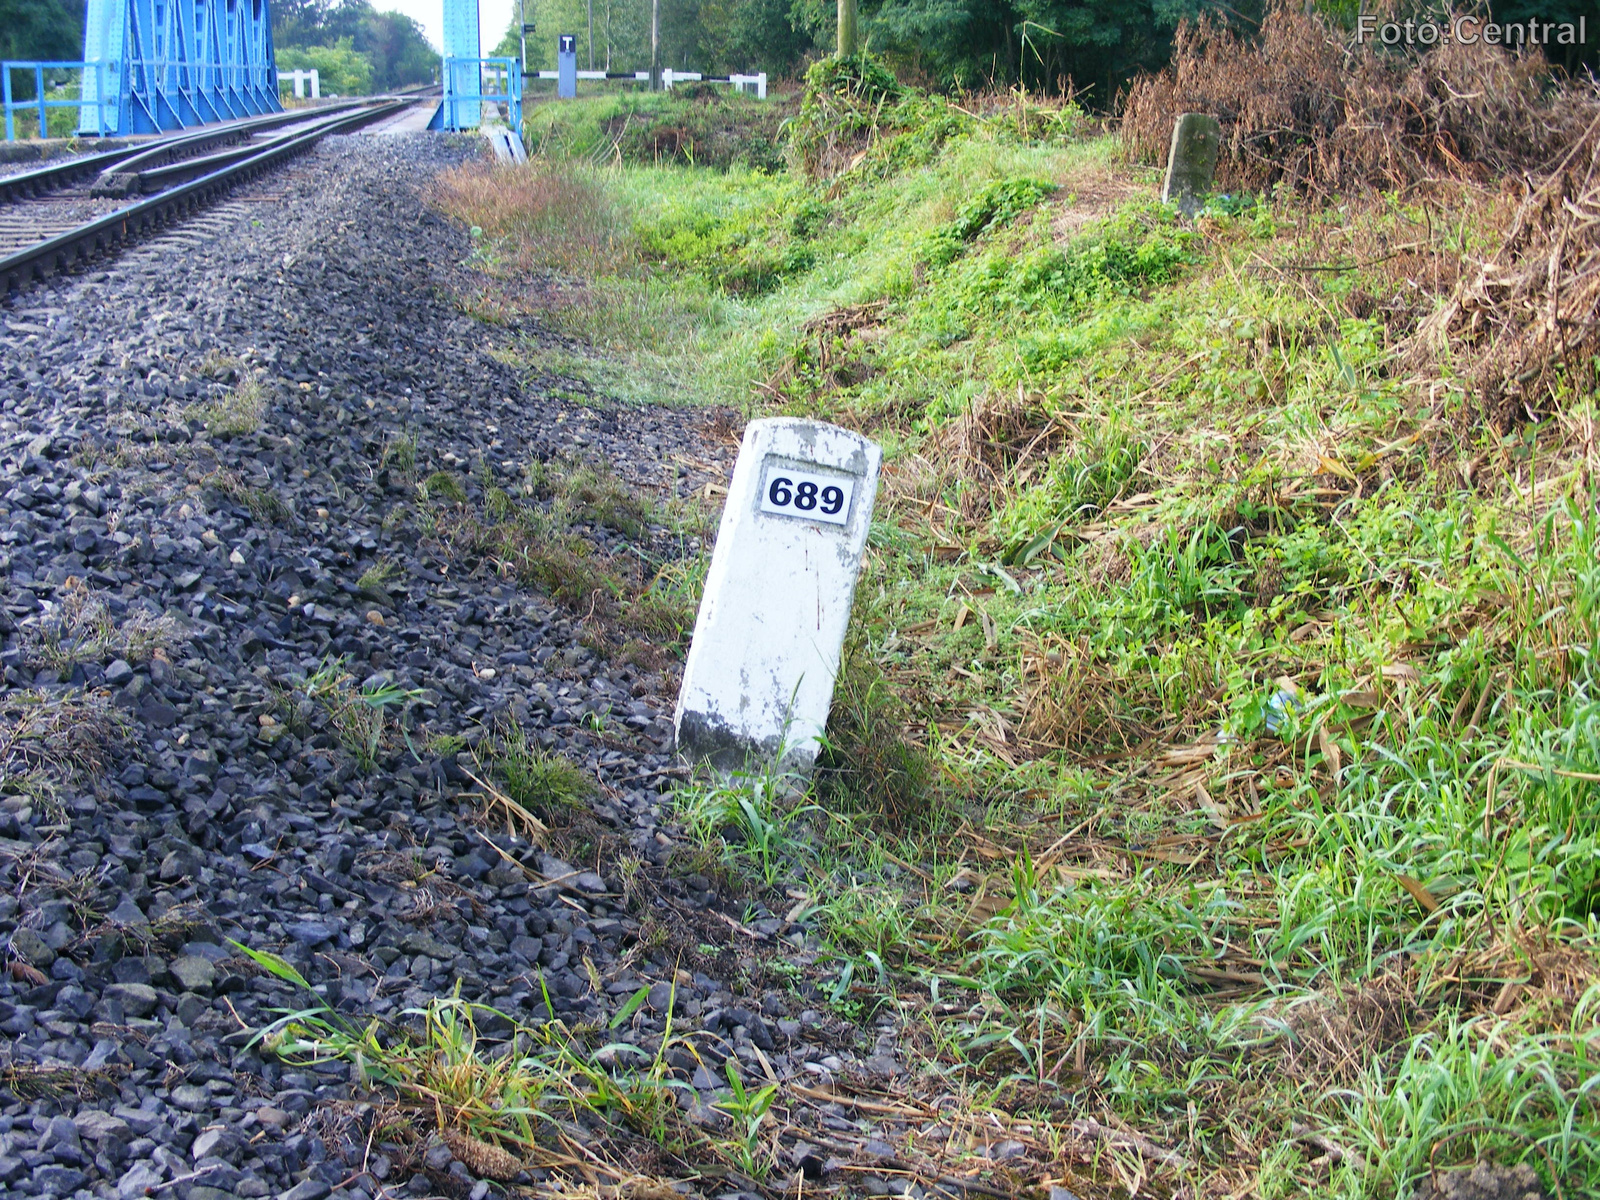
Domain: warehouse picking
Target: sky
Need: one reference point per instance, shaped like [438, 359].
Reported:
[493, 17]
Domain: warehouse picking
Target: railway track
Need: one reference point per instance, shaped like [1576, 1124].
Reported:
[55, 217]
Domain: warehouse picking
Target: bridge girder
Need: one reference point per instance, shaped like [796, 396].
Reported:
[158, 65]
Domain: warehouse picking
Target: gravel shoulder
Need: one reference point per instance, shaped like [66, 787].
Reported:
[212, 449]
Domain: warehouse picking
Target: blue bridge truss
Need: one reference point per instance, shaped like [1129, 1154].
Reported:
[156, 65]
[152, 66]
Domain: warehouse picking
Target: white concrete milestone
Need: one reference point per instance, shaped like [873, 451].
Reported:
[759, 677]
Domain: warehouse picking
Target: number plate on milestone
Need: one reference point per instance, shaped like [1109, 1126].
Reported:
[809, 495]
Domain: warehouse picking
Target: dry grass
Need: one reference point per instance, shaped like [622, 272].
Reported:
[1303, 105]
[836, 349]
[79, 627]
[1073, 704]
[545, 216]
[1334, 1038]
[1531, 315]
[31, 1081]
[999, 435]
[73, 732]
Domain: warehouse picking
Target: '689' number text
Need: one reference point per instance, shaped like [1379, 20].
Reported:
[791, 493]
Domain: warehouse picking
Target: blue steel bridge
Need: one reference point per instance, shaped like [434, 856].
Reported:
[183, 95]
[159, 66]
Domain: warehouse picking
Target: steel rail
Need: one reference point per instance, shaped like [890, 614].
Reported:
[59, 253]
[54, 176]
[158, 179]
[27, 184]
[173, 150]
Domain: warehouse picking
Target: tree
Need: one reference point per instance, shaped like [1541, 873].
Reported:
[39, 29]
[341, 70]
[1042, 43]
[401, 55]
[396, 51]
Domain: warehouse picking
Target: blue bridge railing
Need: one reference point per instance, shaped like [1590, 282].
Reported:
[91, 103]
[159, 95]
[465, 84]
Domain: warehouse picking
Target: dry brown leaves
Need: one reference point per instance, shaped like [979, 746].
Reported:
[1302, 104]
[1335, 1038]
[1534, 307]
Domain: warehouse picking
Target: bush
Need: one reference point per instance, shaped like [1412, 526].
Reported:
[341, 70]
[848, 104]
[995, 205]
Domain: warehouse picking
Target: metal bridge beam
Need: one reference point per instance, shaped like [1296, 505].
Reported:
[170, 64]
[463, 86]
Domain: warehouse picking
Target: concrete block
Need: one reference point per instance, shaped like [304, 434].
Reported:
[1191, 162]
[759, 677]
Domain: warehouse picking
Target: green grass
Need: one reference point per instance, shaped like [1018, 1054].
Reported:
[240, 411]
[716, 130]
[357, 713]
[540, 780]
[515, 1100]
[1142, 476]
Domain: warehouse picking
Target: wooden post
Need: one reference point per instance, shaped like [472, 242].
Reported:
[847, 28]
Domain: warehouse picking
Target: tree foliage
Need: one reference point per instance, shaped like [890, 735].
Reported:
[392, 45]
[1091, 44]
[340, 70]
[710, 36]
[39, 29]
[965, 43]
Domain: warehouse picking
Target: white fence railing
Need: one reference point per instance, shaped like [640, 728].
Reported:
[740, 83]
[300, 79]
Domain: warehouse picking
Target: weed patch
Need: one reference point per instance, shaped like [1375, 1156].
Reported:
[357, 712]
[1216, 751]
[85, 626]
[710, 130]
[554, 216]
[870, 759]
[241, 411]
[540, 780]
[48, 737]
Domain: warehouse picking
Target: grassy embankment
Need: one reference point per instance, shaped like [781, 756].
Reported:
[1216, 754]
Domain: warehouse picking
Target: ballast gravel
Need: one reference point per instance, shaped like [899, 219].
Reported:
[130, 1064]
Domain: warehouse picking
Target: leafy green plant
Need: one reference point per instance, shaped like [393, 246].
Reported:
[748, 1110]
[444, 487]
[995, 205]
[869, 761]
[239, 412]
[358, 713]
[400, 452]
[378, 576]
[542, 781]
[746, 814]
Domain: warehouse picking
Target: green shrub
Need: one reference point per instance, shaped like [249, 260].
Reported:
[997, 204]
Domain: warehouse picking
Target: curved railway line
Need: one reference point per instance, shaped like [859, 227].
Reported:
[59, 216]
